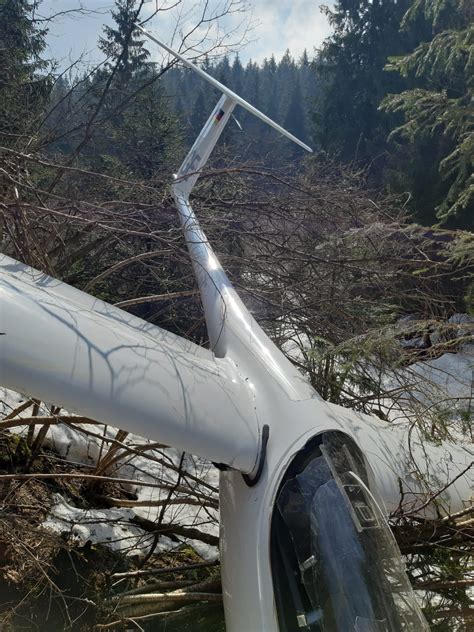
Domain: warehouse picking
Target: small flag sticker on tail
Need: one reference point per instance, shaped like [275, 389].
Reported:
[219, 115]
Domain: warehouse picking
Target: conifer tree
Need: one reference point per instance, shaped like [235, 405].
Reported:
[237, 75]
[198, 114]
[437, 132]
[224, 73]
[269, 87]
[140, 133]
[122, 44]
[24, 82]
[350, 67]
[295, 117]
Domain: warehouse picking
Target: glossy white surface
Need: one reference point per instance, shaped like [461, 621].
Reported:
[233, 332]
[110, 366]
[246, 512]
[95, 360]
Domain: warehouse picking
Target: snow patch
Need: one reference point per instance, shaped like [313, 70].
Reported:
[112, 526]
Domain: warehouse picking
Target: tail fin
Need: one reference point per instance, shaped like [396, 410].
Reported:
[232, 330]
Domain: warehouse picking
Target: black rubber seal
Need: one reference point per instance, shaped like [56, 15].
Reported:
[253, 480]
[221, 466]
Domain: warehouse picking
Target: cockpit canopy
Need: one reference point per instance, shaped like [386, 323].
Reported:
[335, 563]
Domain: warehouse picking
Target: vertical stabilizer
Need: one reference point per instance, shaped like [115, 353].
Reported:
[232, 329]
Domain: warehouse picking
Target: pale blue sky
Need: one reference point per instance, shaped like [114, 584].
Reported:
[270, 26]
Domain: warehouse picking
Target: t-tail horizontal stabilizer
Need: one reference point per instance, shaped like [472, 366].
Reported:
[225, 90]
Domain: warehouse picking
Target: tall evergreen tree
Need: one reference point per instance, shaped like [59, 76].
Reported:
[24, 84]
[198, 114]
[295, 117]
[140, 133]
[350, 66]
[224, 72]
[122, 44]
[435, 142]
[237, 75]
[269, 87]
[286, 80]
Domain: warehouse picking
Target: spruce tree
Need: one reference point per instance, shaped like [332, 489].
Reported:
[350, 68]
[295, 116]
[270, 96]
[237, 75]
[140, 133]
[435, 142]
[122, 44]
[24, 82]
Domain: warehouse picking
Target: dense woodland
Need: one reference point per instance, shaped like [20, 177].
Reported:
[284, 90]
[389, 93]
[359, 255]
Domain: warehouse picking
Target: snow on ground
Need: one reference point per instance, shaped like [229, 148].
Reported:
[112, 526]
[447, 380]
[450, 376]
[443, 386]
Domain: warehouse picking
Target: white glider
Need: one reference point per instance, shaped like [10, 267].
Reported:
[305, 485]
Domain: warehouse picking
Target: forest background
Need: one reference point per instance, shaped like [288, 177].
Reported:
[357, 260]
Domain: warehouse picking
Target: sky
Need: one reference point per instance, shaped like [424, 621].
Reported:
[256, 28]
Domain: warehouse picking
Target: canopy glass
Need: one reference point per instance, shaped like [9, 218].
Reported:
[336, 565]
